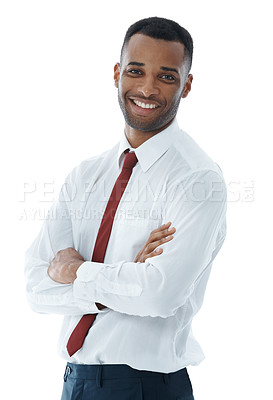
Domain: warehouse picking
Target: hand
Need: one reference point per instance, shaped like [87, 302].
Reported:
[64, 266]
[157, 237]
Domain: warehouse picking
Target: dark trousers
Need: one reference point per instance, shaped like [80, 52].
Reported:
[121, 382]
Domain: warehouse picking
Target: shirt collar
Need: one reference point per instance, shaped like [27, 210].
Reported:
[151, 150]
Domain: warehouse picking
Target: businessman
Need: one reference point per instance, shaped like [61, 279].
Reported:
[127, 249]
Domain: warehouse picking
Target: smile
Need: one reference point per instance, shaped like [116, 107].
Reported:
[143, 105]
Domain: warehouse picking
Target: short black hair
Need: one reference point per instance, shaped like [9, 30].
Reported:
[162, 28]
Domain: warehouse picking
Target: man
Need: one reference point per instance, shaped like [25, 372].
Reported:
[107, 257]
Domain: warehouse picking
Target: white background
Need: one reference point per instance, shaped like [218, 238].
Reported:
[59, 106]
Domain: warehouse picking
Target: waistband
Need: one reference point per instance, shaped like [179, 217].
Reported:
[100, 372]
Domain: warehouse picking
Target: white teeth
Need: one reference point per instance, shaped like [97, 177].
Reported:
[143, 105]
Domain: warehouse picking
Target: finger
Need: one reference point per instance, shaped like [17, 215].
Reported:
[160, 234]
[153, 253]
[162, 227]
[153, 245]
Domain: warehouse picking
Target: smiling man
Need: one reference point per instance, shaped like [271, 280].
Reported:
[107, 258]
[151, 83]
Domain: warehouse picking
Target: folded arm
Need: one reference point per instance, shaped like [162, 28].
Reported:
[162, 284]
[63, 268]
[51, 263]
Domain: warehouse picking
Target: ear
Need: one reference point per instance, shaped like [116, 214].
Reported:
[187, 87]
[116, 73]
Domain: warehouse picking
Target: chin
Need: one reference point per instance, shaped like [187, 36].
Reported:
[147, 126]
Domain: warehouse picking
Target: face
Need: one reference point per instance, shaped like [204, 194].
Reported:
[151, 82]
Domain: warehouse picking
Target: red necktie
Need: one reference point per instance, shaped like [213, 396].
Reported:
[78, 335]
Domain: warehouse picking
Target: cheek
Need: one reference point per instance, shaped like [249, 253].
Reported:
[175, 95]
[122, 87]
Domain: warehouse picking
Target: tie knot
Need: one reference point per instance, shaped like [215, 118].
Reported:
[130, 160]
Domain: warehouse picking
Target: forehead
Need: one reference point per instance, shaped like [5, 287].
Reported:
[150, 51]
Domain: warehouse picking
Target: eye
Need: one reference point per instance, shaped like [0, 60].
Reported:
[134, 71]
[167, 77]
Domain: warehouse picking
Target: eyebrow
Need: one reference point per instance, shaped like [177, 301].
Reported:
[169, 69]
[136, 63]
[139, 64]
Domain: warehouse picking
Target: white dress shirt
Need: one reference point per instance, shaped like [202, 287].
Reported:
[147, 324]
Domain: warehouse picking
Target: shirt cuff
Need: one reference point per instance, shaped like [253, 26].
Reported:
[87, 272]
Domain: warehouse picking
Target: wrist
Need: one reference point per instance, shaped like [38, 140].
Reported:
[72, 269]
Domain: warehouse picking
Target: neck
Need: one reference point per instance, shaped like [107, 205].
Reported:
[136, 137]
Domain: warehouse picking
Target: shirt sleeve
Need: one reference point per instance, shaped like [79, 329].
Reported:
[45, 295]
[196, 206]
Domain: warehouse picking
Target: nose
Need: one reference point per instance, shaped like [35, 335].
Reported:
[147, 87]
